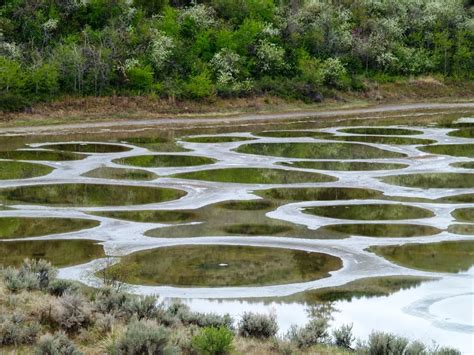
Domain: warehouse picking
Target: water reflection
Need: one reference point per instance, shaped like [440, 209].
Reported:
[219, 265]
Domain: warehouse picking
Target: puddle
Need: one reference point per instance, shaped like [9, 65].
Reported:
[344, 166]
[318, 150]
[219, 265]
[384, 140]
[256, 229]
[382, 230]
[255, 176]
[457, 150]
[150, 216]
[60, 253]
[215, 139]
[464, 198]
[464, 165]
[40, 155]
[461, 229]
[370, 212]
[160, 161]
[365, 287]
[251, 205]
[88, 195]
[439, 257]
[87, 147]
[243, 218]
[319, 194]
[380, 131]
[464, 214]
[19, 170]
[432, 180]
[215, 215]
[463, 133]
[146, 140]
[26, 227]
[156, 143]
[120, 174]
[293, 134]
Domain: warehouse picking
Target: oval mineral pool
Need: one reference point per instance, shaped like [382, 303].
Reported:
[246, 266]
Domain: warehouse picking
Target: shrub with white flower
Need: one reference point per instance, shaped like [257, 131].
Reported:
[131, 63]
[161, 49]
[333, 72]
[202, 15]
[225, 65]
[271, 57]
[270, 30]
[50, 25]
[10, 50]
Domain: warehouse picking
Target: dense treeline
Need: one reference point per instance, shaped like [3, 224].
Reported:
[186, 49]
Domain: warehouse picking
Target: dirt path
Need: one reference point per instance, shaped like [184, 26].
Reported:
[234, 119]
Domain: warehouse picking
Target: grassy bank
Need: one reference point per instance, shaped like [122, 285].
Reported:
[44, 315]
[70, 109]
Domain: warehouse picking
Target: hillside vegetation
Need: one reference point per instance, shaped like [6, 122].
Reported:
[194, 50]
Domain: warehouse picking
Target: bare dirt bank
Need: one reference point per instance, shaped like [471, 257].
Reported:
[171, 121]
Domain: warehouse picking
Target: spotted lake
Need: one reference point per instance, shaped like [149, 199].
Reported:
[374, 213]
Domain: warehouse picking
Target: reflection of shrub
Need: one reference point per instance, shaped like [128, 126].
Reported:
[258, 325]
[142, 337]
[57, 344]
[213, 341]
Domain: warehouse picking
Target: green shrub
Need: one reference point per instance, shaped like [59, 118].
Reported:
[415, 348]
[16, 330]
[143, 307]
[200, 86]
[44, 271]
[57, 344]
[11, 102]
[334, 74]
[205, 320]
[258, 325]
[43, 81]
[60, 287]
[12, 78]
[315, 332]
[140, 78]
[110, 300]
[444, 350]
[343, 336]
[32, 274]
[74, 312]
[381, 343]
[16, 281]
[213, 341]
[141, 337]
